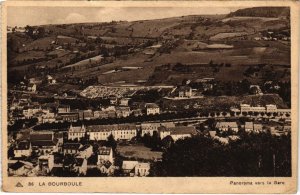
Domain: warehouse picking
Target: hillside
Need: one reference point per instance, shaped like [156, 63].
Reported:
[237, 39]
[270, 12]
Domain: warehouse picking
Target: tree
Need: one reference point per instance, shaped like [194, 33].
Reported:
[251, 155]
[167, 142]
[94, 172]
[10, 152]
[41, 32]
[29, 30]
[244, 113]
[111, 142]
[155, 141]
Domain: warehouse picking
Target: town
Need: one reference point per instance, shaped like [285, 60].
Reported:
[53, 139]
[166, 97]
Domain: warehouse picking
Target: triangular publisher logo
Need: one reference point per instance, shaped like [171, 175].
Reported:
[19, 185]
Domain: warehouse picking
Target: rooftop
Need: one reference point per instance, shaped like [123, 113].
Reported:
[151, 105]
[79, 161]
[105, 150]
[17, 165]
[129, 165]
[71, 146]
[143, 165]
[226, 124]
[41, 136]
[97, 128]
[84, 147]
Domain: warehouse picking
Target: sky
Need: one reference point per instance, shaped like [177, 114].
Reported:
[22, 16]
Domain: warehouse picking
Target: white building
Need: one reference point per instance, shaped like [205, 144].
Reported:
[185, 92]
[105, 154]
[142, 169]
[271, 108]
[119, 132]
[225, 126]
[152, 108]
[128, 167]
[50, 80]
[248, 108]
[135, 168]
[29, 111]
[85, 151]
[31, 87]
[76, 132]
[179, 132]
[46, 163]
[23, 148]
[124, 101]
[149, 128]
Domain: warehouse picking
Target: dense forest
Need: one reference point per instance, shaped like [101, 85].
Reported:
[269, 12]
[251, 155]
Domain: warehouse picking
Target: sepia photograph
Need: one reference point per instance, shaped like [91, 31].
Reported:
[142, 91]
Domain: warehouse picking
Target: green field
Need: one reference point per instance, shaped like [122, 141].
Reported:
[138, 152]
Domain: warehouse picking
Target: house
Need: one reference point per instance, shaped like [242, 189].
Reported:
[46, 163]
[48, 117]
[271, 108]
[98, 114]
[135, 168]
[80, 166]
[63, 108]
[152, 108]
[142, 169]
[105, 154]
[31, 87]
[128, 167]
[137, 112]
[124, 132]
[225, 126]
[107, 168]
[119, 132]
[248, 108]
[23, 148]
[257, 128]
[86, 114]
[50, 80]
[113, 100]
[212, 133]
[76, 132]
[99, 132]
[124, 101]
[109, 108]
[185, 92]
[112, 114]
[70, 117]
[44, 141]
[123, 112]
[253, 127]
[85, 151]
[30, 111]
[178, 132]
[248, 126]
[71, 148]
[20, 168]
[149, 128]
